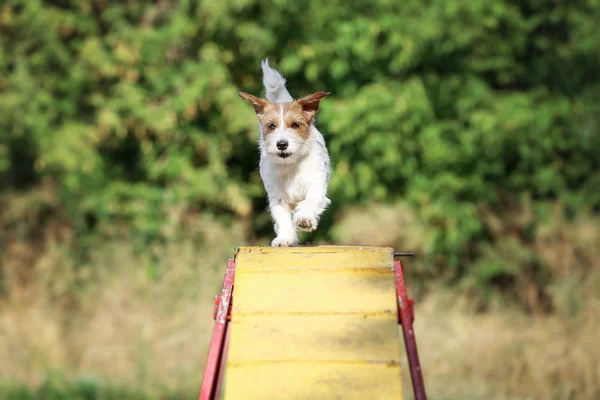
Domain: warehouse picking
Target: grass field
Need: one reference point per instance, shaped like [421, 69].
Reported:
[120, 330]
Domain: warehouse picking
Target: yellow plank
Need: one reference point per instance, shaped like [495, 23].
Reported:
[252, 259]
[312, 323]
[313, 249]
[319, 292]
[305, 338]
[312, 381]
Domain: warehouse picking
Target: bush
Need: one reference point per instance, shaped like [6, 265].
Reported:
[58, 388]
[129, 112]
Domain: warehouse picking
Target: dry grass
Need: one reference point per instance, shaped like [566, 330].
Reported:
[130, 327]
[504, 353]
[508, 355]
[121, 324]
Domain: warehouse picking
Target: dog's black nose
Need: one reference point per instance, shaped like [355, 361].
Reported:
[282, 145]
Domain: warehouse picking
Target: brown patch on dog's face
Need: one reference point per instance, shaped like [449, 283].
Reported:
[269, 114]
[296, 119]
[270, 118]
[297, 116]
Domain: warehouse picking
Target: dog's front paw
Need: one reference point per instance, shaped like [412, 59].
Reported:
[305, 221]
[284, 242]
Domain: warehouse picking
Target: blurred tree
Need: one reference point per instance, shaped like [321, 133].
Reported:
[130, 109]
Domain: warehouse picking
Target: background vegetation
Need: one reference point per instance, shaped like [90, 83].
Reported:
[466, 131]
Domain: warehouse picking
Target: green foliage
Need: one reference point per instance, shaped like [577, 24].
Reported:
[58, 388]
[130, 109]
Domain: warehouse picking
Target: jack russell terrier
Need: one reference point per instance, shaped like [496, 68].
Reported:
[294, 162]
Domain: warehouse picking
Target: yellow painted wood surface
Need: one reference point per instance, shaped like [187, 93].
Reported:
[313, 323]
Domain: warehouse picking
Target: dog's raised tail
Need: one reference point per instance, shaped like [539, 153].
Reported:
[274, 84]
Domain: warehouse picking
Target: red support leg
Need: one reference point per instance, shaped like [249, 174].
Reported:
[213, 372]
[406, 317]
[222, 366]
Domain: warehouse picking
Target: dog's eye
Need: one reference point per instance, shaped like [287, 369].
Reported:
[271, 126]
[295, 125]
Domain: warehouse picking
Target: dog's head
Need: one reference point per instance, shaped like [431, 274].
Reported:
[285, 127]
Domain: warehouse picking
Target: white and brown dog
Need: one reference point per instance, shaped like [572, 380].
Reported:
[294, 162]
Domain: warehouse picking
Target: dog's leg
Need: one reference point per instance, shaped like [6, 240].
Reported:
[284, 227]
[308, 211]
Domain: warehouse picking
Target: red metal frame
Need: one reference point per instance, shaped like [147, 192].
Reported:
[406, 317]
[213, 372]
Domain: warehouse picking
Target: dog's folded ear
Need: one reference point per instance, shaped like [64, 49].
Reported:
[258, 104]
[310, 104]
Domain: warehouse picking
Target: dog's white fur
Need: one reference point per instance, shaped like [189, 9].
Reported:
[297, 185]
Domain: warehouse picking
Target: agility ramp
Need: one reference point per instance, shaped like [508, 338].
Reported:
[310, 323]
